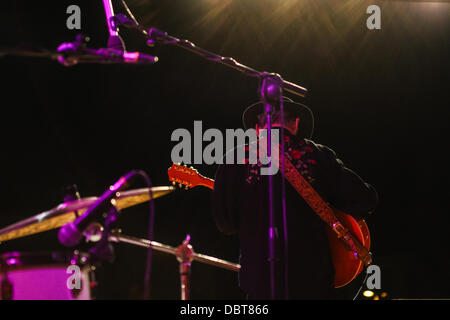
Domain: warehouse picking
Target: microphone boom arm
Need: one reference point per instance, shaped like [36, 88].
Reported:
[155, 35]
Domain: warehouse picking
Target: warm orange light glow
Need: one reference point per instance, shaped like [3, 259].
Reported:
[368, 293]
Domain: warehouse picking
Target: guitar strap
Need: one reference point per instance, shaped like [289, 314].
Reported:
[324, 211]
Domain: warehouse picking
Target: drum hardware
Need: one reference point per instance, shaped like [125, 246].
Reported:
[70, 234]
[23, 275]
[72, 194]
[103, 250]
[45, 276]
[6, 289]
[93, 233]
[66, 212]
[184, 253]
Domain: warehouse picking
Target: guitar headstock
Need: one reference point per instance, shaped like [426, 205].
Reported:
[184, 176]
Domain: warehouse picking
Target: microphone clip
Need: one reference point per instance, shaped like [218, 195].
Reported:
[70, 50]
[103, 250]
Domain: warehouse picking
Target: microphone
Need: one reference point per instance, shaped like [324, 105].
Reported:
[71, 234]
[72, 53]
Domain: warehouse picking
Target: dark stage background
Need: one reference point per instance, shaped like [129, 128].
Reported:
[380, 98]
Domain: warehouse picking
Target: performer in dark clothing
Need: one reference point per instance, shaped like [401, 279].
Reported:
[240, 205]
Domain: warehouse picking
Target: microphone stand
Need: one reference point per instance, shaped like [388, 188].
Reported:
[114, 40]
[270, 92]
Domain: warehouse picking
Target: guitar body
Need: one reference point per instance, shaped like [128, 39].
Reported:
[346, 265]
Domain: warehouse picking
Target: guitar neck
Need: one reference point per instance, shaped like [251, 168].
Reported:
[206, 182]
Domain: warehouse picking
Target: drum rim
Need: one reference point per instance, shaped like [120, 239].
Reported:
[30, 258]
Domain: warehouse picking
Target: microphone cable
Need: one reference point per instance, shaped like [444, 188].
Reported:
[362, 285]
[127, 9]
[148, 266]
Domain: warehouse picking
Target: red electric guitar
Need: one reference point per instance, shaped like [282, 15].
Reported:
[346, 265]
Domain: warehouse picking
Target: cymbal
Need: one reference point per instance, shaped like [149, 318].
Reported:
[68, 211]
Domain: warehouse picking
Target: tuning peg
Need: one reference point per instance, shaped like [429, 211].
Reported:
[187, 187]
[180, 185]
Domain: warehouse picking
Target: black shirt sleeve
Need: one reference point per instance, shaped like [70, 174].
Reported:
[226, 197]
[348, 192]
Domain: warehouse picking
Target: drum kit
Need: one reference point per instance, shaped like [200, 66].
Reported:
[70, 275]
